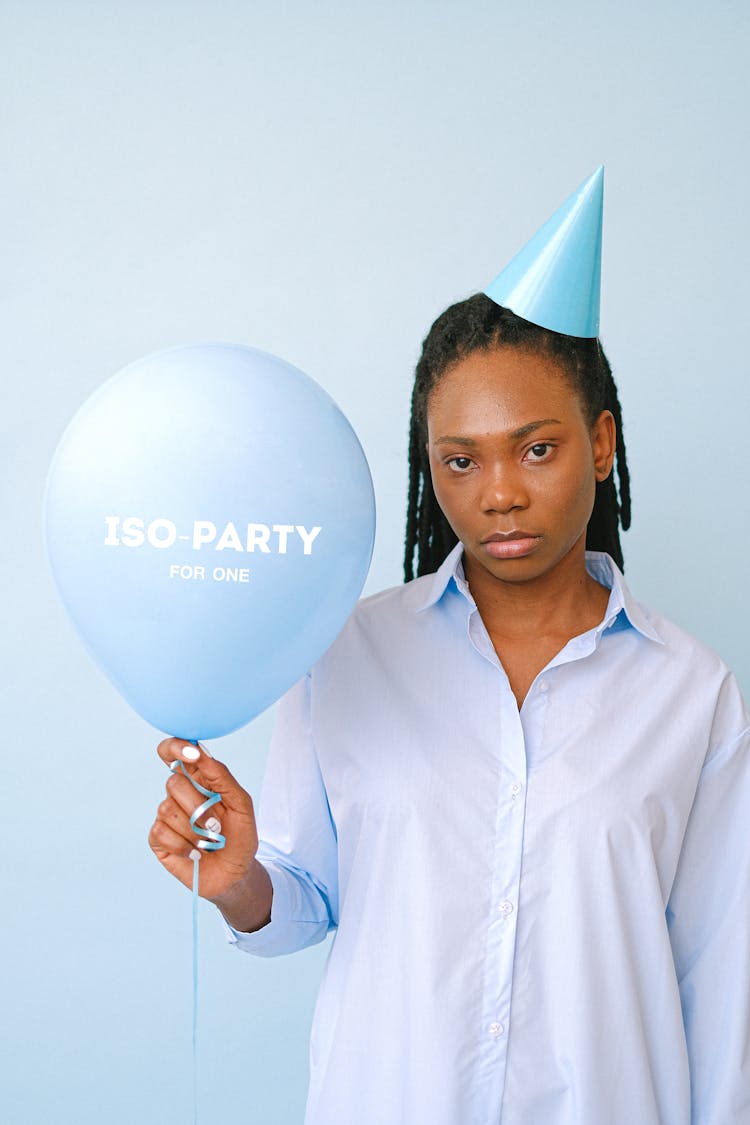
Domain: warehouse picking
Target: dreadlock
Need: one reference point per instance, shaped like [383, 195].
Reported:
[479, 324]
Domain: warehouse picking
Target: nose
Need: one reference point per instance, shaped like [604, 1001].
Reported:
[504, 490]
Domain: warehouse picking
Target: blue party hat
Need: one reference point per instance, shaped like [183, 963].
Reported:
[554, 280]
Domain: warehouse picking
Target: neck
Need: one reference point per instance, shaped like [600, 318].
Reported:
[566, 600]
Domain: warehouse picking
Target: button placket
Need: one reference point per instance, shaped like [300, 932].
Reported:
[507, 856]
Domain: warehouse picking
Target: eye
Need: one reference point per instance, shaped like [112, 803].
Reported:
[459, 464]
[540, 451]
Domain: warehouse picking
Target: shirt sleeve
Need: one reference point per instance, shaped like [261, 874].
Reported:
[298, 844]
[709, 921]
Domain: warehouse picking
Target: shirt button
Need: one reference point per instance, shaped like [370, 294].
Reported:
[506, 907]
[515, 789]
[543, 685]
[496, 1030]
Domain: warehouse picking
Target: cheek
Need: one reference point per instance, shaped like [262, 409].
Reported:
[437, 476]
[577, 491]
[563, 501]
[453, 501]
[442, 494]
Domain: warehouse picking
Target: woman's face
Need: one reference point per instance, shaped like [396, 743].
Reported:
[514, 463]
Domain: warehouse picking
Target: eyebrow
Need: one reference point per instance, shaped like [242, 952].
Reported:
[515, 435]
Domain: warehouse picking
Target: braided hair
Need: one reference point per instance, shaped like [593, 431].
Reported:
[479, 324]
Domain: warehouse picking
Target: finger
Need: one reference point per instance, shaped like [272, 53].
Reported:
[209, 772]
[169, 840]
[173, 832]
[173, 852]
[174, 817]
[184, 794]
[171, 748]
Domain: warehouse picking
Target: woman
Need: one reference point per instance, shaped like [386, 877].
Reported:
[519, 797]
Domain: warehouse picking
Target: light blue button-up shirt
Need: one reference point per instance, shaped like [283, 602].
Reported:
[542, 918]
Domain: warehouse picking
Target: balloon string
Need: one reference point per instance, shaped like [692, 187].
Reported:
[210, 842]
[196, 862]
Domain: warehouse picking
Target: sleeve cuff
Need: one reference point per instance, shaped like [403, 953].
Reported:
[295, 922]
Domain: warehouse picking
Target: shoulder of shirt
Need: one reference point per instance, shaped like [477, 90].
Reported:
[703, 673]
[679, 640]
[401, 600]
[380, 619]
[414, 596]
[648, 621]
[686, 659]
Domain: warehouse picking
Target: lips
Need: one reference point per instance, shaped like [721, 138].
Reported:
[504, 536]
[511, 544]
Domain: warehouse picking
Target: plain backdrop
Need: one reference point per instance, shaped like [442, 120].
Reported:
[318, 180]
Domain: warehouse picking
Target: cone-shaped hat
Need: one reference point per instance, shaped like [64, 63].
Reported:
[554, 280]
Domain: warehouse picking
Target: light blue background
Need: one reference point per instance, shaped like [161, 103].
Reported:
[318, 180]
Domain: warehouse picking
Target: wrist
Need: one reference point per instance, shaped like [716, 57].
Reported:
[246, 905]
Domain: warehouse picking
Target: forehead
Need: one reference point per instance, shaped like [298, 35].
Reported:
[501, 389]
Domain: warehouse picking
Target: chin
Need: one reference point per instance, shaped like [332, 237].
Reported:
[513, 570]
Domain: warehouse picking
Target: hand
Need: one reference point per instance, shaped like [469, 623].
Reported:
[231, 877]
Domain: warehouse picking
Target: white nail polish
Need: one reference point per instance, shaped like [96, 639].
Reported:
[190, 753]
[213, 824]
[194, 854]
[205, 750]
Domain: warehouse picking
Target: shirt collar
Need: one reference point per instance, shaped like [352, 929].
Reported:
[600, 566]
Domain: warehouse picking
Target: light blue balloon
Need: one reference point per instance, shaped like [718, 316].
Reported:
[209, 521]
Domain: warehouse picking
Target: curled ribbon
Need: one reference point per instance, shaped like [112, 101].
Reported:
[210, 841]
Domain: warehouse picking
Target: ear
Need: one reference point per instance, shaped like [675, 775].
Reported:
[603, 444]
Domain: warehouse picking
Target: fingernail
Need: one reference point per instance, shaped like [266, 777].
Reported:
[213, 824]
[194, 854]
[205, 750]
[190, 753]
